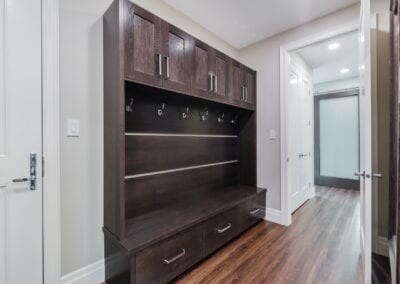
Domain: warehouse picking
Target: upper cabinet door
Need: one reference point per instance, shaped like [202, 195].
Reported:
[201, 75]
[236, 87]
[221, 67]
[143, 59]
[176, 58]
[250, 86]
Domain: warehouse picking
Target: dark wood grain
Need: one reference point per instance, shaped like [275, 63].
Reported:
[142, 45]
[114, 119]
[148, 193]
[164, 222]
[176, 46]
[157, 153]
[144, 118]
[150, 261]
[235, 82]
[201, 60]
[250, 84]
[222, 72]
[321, 246]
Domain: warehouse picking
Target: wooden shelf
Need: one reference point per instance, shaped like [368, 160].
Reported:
[154, 226]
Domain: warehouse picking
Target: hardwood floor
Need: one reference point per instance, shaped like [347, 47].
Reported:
[321, 246]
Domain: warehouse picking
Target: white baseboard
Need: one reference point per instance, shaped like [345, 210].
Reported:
[91, 274]
[273, 215]
[381, 246]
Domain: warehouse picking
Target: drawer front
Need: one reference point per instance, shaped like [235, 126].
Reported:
[221, 229]
[252, 211]
[164, 261]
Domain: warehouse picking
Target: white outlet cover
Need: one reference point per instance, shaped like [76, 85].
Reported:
[73, 128]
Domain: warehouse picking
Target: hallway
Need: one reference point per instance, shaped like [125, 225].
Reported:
[321, 246]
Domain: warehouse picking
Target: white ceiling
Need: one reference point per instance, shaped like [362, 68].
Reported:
[326, 64]
[243, 22]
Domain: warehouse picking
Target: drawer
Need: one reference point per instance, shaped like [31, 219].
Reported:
[252, 211]
[164, 261]
[221, 229]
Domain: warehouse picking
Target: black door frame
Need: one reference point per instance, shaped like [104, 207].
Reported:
[326, 180]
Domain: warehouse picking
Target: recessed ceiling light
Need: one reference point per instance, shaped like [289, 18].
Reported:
[333, 46]
[344, 70]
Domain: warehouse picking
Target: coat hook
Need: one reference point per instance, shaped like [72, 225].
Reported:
[185, 114]
[221, 118]
[129, 108]
[161, 110]
[204, 114]
[234, 120]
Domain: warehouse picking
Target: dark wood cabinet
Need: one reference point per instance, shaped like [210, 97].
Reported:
[176, 57]
[142, 34]
[201, 74]
[220, 71]
[179, 148]
[249, 83]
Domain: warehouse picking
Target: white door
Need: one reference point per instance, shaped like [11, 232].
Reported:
[300, 144]
[365, 137]
[21, 251]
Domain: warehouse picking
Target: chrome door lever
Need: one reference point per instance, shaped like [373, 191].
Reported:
[32, 172]
[360, 174]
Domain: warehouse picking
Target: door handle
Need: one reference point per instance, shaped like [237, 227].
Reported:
[215, 84]
[302, 155]
[211, 79]
[360, 174]
[159, 64]
[32, 172]
[167, 62]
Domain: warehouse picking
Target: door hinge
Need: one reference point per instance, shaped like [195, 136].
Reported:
[42, 166]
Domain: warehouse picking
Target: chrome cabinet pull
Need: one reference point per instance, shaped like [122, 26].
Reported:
[32, 173]
[246, 94]
[211, 79]
[159, 64]
[255, 211]
[175, 258]
[167, 62]
[215, 84]
[220, 231]
[243, 92]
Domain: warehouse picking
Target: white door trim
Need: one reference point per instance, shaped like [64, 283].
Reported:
[284, 66]
[51, 142]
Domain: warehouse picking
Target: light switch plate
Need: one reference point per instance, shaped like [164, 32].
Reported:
[73, 128]
[272, 134]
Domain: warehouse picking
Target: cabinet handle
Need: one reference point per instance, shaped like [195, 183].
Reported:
[255, 211]
[243, 93]
[175, 258]
[220, 231]
[246, 94]
[167, 62]
[211, 79]
[159, 64]
[215, 84]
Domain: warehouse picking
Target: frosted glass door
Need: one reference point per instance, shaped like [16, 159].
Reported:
[339, 137]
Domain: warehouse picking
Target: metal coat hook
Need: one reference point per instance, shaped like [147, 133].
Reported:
[234, 120]
[129, 108]
[221, 118]
[185, 114]
[161, 109]
[204, 115]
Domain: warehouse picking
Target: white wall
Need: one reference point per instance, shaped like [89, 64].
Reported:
[337, 85]
[81, 83]
[264, 57]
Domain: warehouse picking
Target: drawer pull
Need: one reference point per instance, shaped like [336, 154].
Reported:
[175, 258]
[254, 211]
[220, 231]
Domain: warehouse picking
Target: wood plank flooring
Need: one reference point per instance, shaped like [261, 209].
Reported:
[321, 246]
